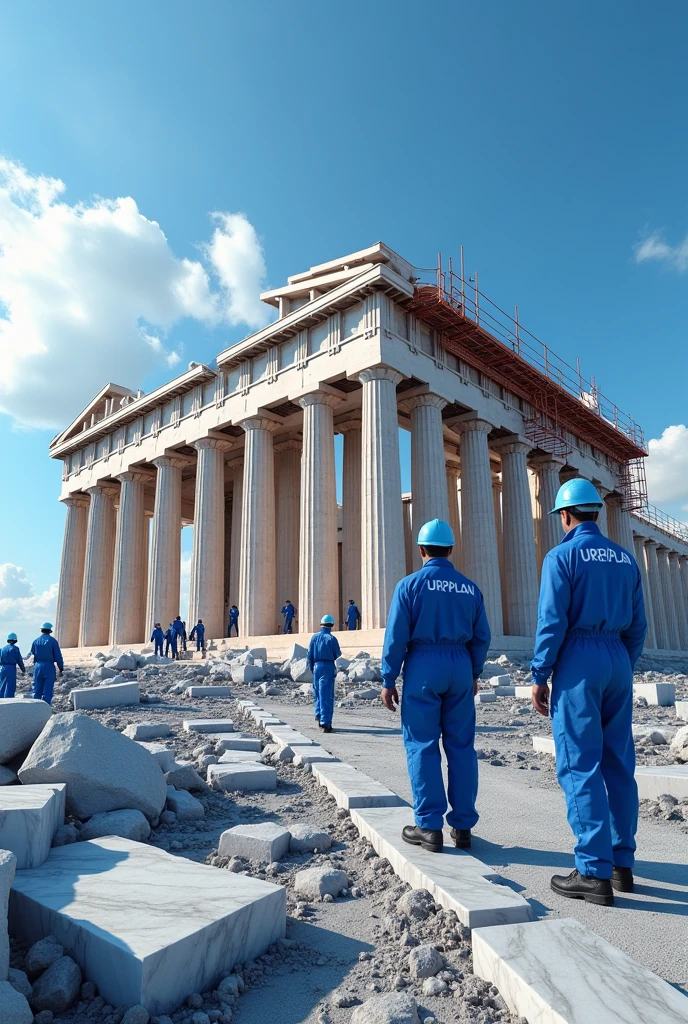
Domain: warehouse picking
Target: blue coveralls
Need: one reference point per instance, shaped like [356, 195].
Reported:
[157, 636]
[198, 631]
[591, 628]
[323, 650]
[171, 641]
[233, 621]
[180, 630]
[353, 617]
[437, 628]
[288, 611]
[46, 653]
[10, 657]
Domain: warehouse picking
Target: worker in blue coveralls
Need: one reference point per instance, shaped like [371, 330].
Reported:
[323, 651]
[180, 629]
[46, 653]
[198, 632]
[353, 616]
[590, 632]
[157, 637]
[171, 636]
[438, 630]
[10, 658]
[233, 621]
[289, 611]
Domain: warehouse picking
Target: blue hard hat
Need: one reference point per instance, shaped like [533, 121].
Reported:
[47, 625]
[437, 534]
[11, 636]
[578, 493]
[327, 620]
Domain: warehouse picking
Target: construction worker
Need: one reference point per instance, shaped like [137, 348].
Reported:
[46, 653]
[171, 636]
[233, 621]
[157, 637]
[183, 636]
[438, 630]
[10, 658]
[198, 632]
[591, 628]
[180, 629]
[353, 616]
[323, 651]
[289, 611]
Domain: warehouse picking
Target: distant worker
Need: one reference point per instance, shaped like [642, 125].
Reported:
[46, 653]
[590, 633]
[171, 636]
[183, 636]
[157, 637]
[353, 616]
[438, 630]
[323, 651]
[289, 611]
[10, 658]
[180, 630]
[233, 621]
[198, 632]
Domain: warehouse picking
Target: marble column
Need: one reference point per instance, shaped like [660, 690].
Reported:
[548, 528]
[497, 504]
[673, 639]
[382, 543]
[640, 557]
[236, 467]
[453, 472]
[130, 578]
[227, 574]
[428, 472]
[288, 498]
[351, 511]
[98, 567]
[679, 603]
[683, 561]
[620, 527]
[318, 576]
[257, 583]
[520, 581]
[71, 585]
[480, 550]
[206, 585]
[165, 562]
[657, 593]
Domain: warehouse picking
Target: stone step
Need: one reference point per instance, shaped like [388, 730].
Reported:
[29, 818]
[352, 788]
[209, 691]
[246, 778]
[208, 725]
[168, 927]
[285, 736]
[668, 778]
[559, 972]
[314, 754]
[663, 694]
[226, 741]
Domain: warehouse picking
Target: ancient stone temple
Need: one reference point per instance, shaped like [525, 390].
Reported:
[245, 452]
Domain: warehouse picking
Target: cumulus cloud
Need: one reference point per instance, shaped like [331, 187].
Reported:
[667, 466]
[88, 293]
[655, 248]
[22, 611]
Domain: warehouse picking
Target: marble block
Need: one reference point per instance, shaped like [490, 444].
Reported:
[558, 972]
[29, 818]
[669, 778]
[663, 694]
[312, 755]
[243, 777]
[283, 735]
[352, 788]
[162, 754]
[523, 692]
[21, 722]
[682, 710]
[245, 705]
[504, 691]
[147, 730]
[457, 880]
[240, 757]
[94, 697]
[544, 744]
[209, 691]
[168, 926]
[265, 842]
[239, 742]
[208, 725]
[184, 805]
[485, 697]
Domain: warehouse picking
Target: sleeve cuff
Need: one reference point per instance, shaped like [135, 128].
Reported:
[540, 678]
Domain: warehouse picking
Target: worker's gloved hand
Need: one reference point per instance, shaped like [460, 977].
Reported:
[540, 698]
[475, 687]
[390, 697]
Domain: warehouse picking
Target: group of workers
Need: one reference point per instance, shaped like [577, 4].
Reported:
[46, 655]
[590, 633]
[175, 635]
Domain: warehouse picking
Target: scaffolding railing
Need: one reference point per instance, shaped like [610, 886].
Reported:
[667, 524]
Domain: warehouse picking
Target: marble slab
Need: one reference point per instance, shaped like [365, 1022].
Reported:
[456, 879]
[559, 972]
[352, 788]
[224, 741]
[669, 778]
[486, 697]
[243, 777]
[240, 757]
[312, 755]
[283, 735]
[682, 710]
[544, 744]
[246, 704]
[663, 694]
[504, 691]
[523, 692]
[162, 754]
[209, 691]
[208, 725]
[266, 841]
[148, 928]
[29, 818]
[94, 697]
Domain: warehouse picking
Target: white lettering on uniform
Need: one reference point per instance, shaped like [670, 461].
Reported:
[605, 555]
[449, 585]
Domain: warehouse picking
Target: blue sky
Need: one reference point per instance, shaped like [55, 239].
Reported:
[549, 139]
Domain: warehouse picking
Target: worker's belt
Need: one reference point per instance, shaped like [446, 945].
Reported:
[601, 633]
[324, 661]
[448, 644]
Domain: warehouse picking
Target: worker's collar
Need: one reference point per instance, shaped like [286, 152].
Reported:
[436, 561]
[582, 528]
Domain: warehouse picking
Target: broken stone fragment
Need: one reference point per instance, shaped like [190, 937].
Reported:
[314, 883]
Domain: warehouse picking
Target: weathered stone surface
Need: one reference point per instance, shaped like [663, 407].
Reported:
[679, 745]
[185, 777]
[14, 1008]
[185, 806]
[242, 777]
[21, 722]
[129, 824]
[361, 672]
[663, 694]
[65, 835]
[308, 838]
[416, 903]
[369, 693]
[390, 1008]
[137, 1015]
[103, 770]
[102, 672]
[29, 817]
[314, 883]
[342, 663]
[300, 672]
[58, 987]
[162, 754]
[265, 842]
[425, 962]
[122, 662]
[209, 691]
[111, 695]
[208, 725]
[7, 776]
[147, 731]
[247, 674]
[8, 865]
[41, 955]
[19, 981]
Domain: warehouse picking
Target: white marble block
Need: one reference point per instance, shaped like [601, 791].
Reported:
[209, 725]
[8, 867]
[559, 972]
[209, 691]
[283, 735]
[266, 842]
[239, 742]
[663, 694]
[94, 697]
[312, 755]
[544, 744]
[669, 778]
[29, 818]
[21, 722]
[523, 692]
[162, 754]
[184, 805]
[352, 788]
[504, 691]
[168, 927]
[485, 697]
[243, 777]
[240, 757]
[682, 710]
[147, 730]
[247, 674]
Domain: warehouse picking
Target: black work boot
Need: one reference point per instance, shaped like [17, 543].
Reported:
[429, 839]
[326, 728]
[462, 838]
[622, 880]
[583, 887]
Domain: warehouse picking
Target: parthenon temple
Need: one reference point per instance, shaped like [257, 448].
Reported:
[245, 451]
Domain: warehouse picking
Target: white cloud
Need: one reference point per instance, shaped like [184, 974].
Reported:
[21, 610]
[655, 248]
[88, 292]
[667, 466]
